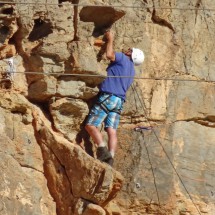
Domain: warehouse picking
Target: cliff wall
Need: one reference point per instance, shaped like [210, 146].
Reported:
[51, 62]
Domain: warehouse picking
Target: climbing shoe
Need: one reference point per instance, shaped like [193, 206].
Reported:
[109, 161]
[103, 154]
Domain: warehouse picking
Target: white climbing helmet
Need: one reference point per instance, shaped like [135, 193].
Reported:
[137, 56]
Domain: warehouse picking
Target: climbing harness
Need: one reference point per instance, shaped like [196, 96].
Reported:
[104, 107]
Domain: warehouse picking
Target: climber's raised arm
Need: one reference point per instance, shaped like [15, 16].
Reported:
[110, 54]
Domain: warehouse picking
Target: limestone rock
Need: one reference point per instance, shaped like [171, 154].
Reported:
[52, 171]
[133, 106]
[19, 195]
[58, 183]
[23, 188]
[43, 39]
[7, 51]
[71, 173]
[93, 209]
[83, 171]
[8, 27]
[113, 208]
[68, 114]
[43, 89]
[24, 144]
[14, 102]
[84, 181]
[86, 208]
[185, 135]
[75, 89]
[85, 62]
[55, 45]
[96, 15]
[190, 95]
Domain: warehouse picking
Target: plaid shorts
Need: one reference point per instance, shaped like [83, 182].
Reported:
[98, 115]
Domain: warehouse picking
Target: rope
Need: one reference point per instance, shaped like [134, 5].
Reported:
[153, 174]
[104, 76]
[113, 6]
[144, 109]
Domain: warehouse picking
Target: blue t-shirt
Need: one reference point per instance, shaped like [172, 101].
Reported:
[122, 66]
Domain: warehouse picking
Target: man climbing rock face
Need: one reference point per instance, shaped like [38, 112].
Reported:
[111, 97]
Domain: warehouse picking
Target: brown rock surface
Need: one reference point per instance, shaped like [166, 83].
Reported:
[68, 114]
[23, 188]
[37, 153]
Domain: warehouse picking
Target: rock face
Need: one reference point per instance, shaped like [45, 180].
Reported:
[23, 187]
[50, 71]
[34, 156]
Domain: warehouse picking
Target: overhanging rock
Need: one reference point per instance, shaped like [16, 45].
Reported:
[103, 17]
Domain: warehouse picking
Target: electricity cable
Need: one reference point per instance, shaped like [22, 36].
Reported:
[104, 76]
[164, 150]
[113, 6]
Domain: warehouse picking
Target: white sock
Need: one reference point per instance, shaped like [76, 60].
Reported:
[102, 144]
[112, 153]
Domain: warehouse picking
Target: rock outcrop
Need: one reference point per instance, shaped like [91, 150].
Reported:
[34, 156]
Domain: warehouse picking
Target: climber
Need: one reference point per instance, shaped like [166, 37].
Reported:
[111, 97]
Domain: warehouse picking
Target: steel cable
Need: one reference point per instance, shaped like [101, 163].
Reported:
[104, 76]
[114, 6]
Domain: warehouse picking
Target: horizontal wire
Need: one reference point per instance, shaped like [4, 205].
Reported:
[109, 76]
[114, 6]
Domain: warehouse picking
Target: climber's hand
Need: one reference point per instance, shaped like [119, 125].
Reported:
[109, 35]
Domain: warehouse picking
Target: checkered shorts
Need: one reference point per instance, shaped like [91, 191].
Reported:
[98, 115]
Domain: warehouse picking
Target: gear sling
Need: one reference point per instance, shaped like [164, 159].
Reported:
[105, 108]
